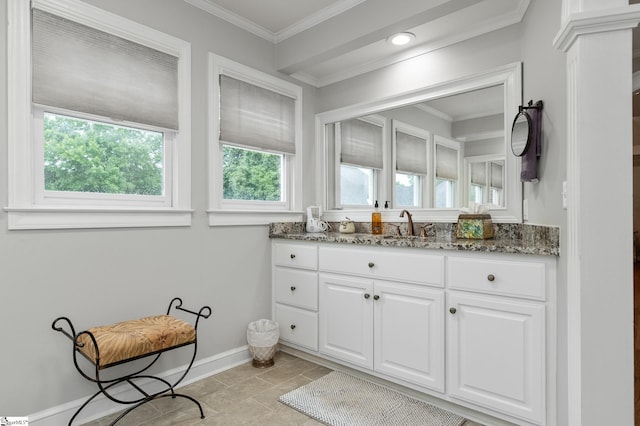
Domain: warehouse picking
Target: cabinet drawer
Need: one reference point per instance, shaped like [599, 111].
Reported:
[396, 264]
[508, 278]
[295, 255]
[296, 287]
[298, 326]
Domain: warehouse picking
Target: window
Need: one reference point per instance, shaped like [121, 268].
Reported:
[485, 177]
[359, 153]
[411, 148]
[255, 128]
[477, 191]
[496, 196]
[82, 156]
[447, 164]
[96, 145]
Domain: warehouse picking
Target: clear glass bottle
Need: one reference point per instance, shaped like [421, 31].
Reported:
[376, 220]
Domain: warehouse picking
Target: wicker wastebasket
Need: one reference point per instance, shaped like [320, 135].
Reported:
[262, 336]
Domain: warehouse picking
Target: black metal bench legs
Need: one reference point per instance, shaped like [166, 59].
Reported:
[92, 343]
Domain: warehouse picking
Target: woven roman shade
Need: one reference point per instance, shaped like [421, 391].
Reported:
[79, 68]
[496, 175]
[255, 117]
[411, 154]
[479, 173]
[361, 144]
[446, 162]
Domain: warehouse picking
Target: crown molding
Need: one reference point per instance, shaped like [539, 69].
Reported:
[596, 21]
[433, 111]
[304, 24]
[233, 18]
[317, 18]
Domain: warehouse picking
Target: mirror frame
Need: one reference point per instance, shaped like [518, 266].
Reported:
[510, 76]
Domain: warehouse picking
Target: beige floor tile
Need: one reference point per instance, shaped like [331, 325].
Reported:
[243, 395]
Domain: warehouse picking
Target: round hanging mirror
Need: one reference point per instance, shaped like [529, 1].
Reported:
[521, 133]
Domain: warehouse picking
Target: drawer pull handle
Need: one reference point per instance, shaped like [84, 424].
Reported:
[376, 297]
[293, 256]
[293, 326]
[293, 288]
[371, 265]
[491, 277]
[453, 310]
[367, 295]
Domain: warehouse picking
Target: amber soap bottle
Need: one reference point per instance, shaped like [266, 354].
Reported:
[376, 220]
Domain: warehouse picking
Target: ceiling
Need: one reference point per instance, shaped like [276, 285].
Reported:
[321, 42]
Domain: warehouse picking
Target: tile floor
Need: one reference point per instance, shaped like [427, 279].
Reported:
[243, 395]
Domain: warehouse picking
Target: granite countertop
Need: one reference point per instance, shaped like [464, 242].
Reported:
[539, 240]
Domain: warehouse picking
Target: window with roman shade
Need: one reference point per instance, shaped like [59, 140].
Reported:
[496, 175]
[478, 173]
[411, 154]
[361, 144]
[255, 136]
[83, 69]
[255, 117]
[446, 163]
[100, 130]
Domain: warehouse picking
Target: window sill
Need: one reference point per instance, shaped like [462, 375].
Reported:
[89, 218]
[251, 217]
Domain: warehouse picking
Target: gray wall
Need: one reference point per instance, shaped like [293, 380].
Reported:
[100, 276]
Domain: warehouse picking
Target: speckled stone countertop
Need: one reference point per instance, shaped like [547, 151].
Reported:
[509, 238]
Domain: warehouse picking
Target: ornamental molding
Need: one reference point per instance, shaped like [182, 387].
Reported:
[596, 21]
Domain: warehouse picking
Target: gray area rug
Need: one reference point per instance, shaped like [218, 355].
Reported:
[340, 399]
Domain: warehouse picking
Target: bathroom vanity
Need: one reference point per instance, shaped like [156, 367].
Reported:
[470, 322]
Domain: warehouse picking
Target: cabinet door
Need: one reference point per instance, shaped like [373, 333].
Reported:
[497, 354]
[409, 333]
[346, 319]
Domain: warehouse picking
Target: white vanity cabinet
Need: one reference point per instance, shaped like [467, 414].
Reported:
[392, 327]
[472, 328]
[496, 342]
[295, 292]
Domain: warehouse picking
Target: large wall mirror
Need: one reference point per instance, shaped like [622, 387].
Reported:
[432, 151]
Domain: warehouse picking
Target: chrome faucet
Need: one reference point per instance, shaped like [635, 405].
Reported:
[409, 223]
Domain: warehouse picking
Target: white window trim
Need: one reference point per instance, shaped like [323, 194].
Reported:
[24, 212]
[232, 213]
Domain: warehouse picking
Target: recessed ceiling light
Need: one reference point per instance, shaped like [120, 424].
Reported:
[400, 39]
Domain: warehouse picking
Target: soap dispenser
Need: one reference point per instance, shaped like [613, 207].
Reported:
[376, 220]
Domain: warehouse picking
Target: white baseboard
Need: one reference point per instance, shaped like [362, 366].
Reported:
[102, 406]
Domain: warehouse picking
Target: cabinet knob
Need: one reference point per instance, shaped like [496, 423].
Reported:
[293, 288]
[293, 256]
[367, 295]
[491, 277]
[293, 326]
[376, 297]
[453, 310]
[371, 265]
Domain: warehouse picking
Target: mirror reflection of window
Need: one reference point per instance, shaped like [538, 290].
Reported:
[485, 180]
[411, 148]
[447, 172]
[359, 153]
[497, 186]
[477, 189]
